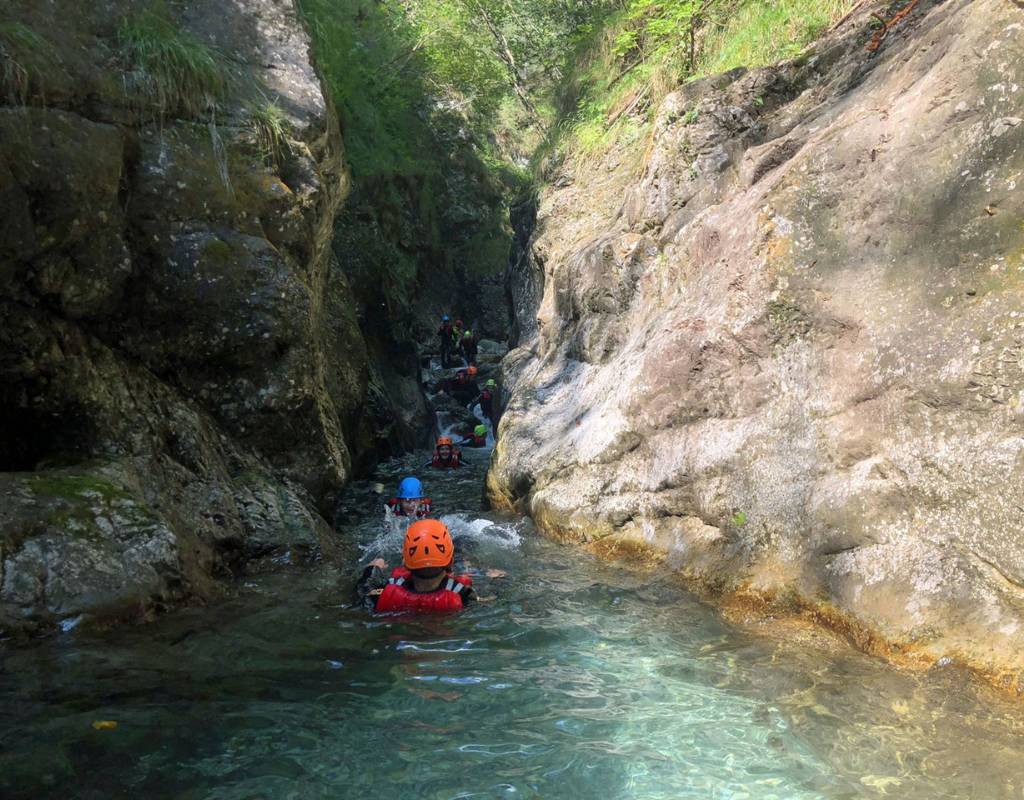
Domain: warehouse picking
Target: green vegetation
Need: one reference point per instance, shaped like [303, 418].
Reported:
[270, 127]
[171, 68]
[401, 72]
[85, 485]
[450, 109]
[528, 76]
[219, 252]
[420, 95]
[375, 73]
[766, 32]
[649, 47]
[24, 55]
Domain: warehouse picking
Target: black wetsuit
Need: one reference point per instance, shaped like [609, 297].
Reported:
[445, 332]
[486, 400]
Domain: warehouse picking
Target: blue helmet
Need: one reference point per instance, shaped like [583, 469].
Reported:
[410, 489]
[444, 318]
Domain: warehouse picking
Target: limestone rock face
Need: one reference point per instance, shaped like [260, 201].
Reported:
[183, 380]
[792, 358]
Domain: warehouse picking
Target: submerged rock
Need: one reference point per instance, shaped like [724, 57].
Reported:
[791, 361]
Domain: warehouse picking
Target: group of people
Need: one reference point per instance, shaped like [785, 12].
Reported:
[426, 581]
[463, 384]
[455, 339]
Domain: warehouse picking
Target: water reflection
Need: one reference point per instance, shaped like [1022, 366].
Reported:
[580, 681]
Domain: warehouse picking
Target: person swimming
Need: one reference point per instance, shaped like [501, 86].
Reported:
[411, 500]
[425, 583]
[446, 454]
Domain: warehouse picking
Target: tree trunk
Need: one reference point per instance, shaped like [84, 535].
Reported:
[507, 57]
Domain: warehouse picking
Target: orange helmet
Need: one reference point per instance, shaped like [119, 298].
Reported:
[445, 440]
[427, 544]
[471, 371]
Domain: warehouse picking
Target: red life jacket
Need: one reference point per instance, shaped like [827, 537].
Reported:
[454, 461]
[398, 598]
[422, 510]
[478, 441]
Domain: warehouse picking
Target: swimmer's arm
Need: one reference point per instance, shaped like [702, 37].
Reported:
[372, 571]
[471, 596]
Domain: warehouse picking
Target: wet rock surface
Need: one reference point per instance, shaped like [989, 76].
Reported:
[182, 375]
[789, 362]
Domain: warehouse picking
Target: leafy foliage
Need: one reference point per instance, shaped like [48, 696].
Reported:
[648, 47]
[418, 92]
[447, 105]
[370, 58]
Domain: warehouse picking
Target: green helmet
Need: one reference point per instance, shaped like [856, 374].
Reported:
[490, 383]
[467, 334]
[480, 430]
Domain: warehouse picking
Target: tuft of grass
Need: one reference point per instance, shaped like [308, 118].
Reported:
[762, 32]
[23, 55]
[271, 129]
[176, 71]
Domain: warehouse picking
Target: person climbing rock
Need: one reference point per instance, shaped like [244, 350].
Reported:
[467, 376]
[424, 584]
[468, 347]
[410, 501]
[463, 385]
[445, 334]
[478, 438]
[486, 399]
[446, 454]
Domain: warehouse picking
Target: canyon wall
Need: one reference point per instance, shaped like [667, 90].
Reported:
[779, 346]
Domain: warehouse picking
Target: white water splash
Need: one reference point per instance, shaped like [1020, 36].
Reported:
[501, 534]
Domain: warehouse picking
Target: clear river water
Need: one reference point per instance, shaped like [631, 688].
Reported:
[579, 679]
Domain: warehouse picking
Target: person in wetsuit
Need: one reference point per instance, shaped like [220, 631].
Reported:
[411, 500]
[424, 584]
[468, 345]
[457, 334]
[446, 455]
[463, 386]
[476, 439]
[446, 335]
[488, 401]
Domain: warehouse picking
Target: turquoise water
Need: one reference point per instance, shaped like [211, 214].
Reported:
[579, 680]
